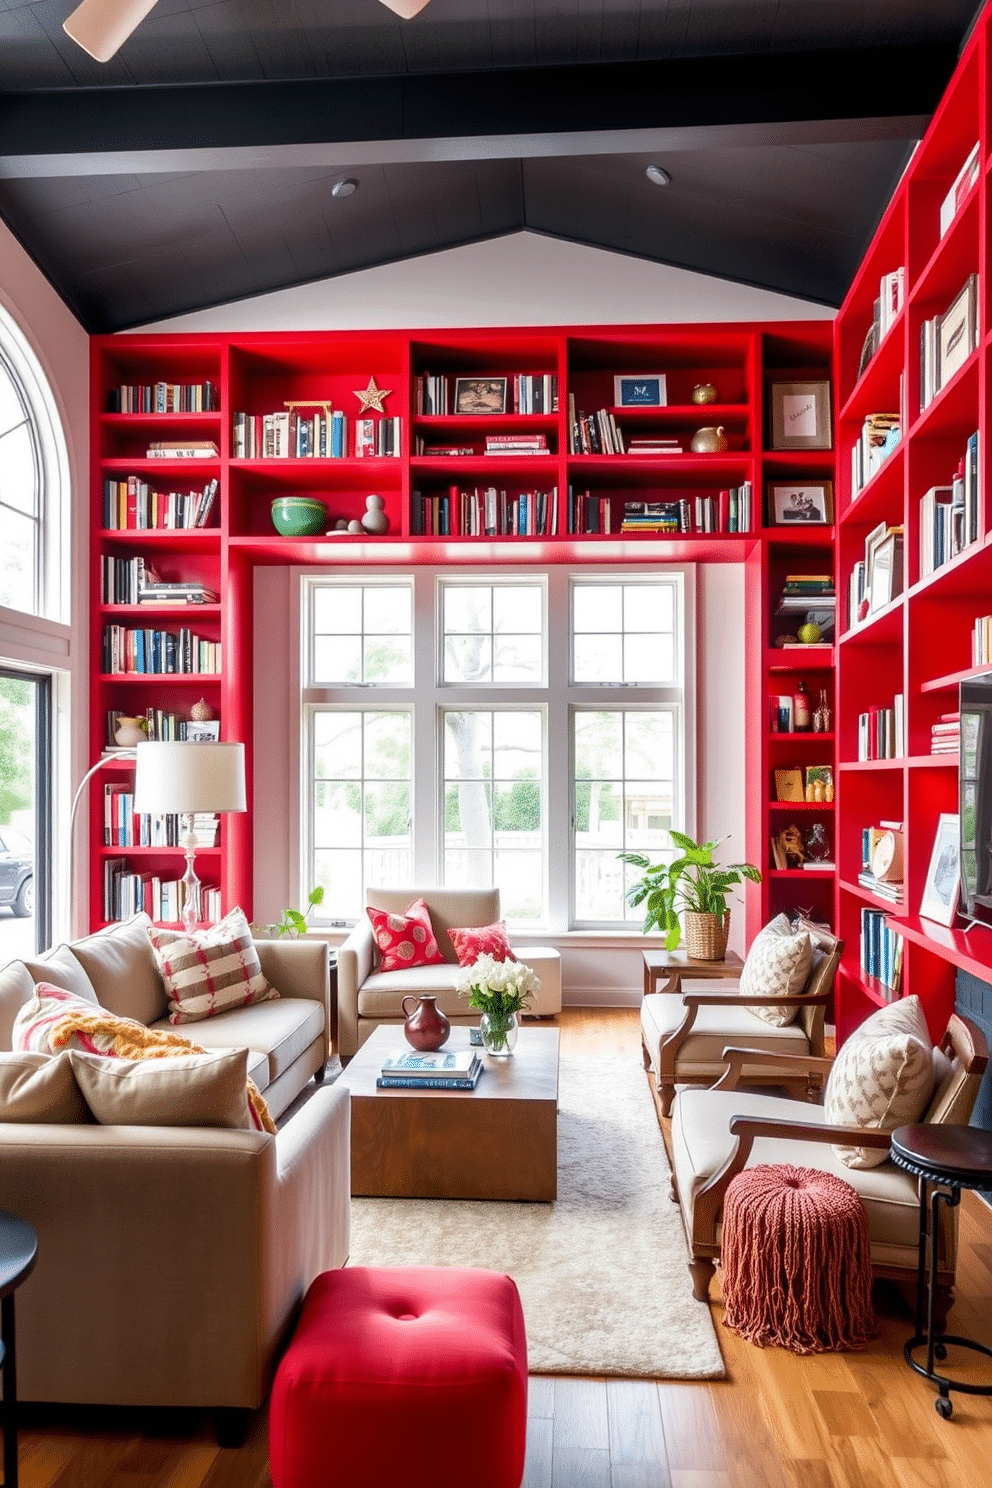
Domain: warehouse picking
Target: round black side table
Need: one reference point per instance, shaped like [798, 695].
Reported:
[949, 1158]
[18, 1251]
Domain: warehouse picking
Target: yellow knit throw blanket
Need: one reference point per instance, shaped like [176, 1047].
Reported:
[123, 1038]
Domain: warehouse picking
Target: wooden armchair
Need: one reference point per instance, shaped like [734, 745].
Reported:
[684, 1032]
[718, 1133]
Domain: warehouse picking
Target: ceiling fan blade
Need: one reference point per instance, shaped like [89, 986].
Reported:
[101, 27]
[406, 8]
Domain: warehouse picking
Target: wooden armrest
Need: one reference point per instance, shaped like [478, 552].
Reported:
[790, 1065]
[735, 999]
[782, 1127]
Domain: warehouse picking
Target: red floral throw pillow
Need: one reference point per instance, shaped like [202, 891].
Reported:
[404, 940]
[481, 940]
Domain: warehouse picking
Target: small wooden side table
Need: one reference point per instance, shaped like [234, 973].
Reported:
[18, 1252]
[672, 966]
[949, 1158]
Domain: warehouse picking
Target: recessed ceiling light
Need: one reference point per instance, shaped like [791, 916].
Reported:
[347, 187]
[657, 175]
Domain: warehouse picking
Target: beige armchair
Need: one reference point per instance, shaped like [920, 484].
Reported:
[368, 997]
[685, 1031]
[717, 1133]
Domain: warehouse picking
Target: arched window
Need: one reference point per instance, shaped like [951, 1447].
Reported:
[33, 483]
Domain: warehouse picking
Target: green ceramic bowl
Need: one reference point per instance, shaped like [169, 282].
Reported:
[299, 516]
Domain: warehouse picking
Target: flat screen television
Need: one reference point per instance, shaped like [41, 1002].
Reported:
[975, 798]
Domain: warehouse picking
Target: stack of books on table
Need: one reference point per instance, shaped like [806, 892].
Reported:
[441, 1069]
[945, 734]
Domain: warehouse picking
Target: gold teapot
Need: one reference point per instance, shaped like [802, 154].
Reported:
[709, 441]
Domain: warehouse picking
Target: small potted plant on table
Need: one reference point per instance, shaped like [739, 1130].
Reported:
[689, 893]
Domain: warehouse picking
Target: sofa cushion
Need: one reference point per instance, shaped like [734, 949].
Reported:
[208, 972]
[714, 1029]
[122, 970]
[882, 1076]
[36, 1087]
[404, 940]
[184, 1090]
[382, 993]
[59, 967]
[281, 1030]
[481, 940]
[778, 964]
[16, 988]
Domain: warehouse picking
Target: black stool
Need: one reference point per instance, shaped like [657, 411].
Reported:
[18, 1249]
[950, 1158]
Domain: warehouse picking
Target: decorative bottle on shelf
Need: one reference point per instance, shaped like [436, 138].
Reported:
[801, 716]
[823, 716]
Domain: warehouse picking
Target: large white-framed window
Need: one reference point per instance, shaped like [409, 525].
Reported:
[471, 726]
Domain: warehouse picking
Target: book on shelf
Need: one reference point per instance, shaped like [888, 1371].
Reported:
[435, 451]
[484, 511]
[880, 433]
[881, 731]
[164, 397]
[513, 444]
[890, 891]
[949, 513]
[433, 1062]
[130, 581]
[981, 641]
[133, 505]
[960, 186]
[881, 950]
[130, 649]
[182, 449]
[947, 341]
[945, 734]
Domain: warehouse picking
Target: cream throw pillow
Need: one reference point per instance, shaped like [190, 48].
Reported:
[882, 1077]
[777, 965]
[209, 971]
[36, 1087]
[185, 1090]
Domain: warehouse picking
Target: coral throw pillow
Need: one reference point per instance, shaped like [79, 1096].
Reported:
[481, 940]
[405, 940]
[52, 1020]
[209, 971]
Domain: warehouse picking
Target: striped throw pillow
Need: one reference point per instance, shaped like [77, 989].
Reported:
[210, 971]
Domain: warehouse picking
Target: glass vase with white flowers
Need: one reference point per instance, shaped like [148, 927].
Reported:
[499, 990]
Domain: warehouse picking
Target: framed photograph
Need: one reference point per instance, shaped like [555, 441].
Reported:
[957, 332]
[940, 892]
[481, 394]
[789, 785]
[801, 501]
[203, 733]
[640, 390]
[886, 572]
[800, 415]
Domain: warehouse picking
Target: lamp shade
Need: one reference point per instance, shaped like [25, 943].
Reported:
[173, 776]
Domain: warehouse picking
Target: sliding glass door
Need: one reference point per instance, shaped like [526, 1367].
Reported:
[25, 813]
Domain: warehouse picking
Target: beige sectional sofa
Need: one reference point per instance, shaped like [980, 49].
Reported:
[368, 997]
[171, 1260]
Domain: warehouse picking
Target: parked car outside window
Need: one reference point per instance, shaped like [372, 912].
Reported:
[16, 872]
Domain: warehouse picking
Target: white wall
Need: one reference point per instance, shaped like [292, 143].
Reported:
[520, 279]
[62, 349]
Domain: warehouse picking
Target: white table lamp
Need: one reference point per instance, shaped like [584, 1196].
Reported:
[186, 778]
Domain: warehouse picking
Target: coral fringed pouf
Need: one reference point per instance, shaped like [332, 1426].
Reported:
[796, 1265]
[414, 1376]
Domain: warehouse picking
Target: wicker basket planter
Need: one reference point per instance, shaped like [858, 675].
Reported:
[705, 935]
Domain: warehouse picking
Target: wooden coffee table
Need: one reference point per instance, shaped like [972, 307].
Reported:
[498, 1141]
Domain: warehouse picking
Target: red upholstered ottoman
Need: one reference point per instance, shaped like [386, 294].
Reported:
[414, 1376]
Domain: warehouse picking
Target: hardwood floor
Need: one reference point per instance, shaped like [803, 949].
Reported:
[776, 1421]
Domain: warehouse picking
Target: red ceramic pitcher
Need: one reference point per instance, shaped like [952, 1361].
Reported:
[426, 1027]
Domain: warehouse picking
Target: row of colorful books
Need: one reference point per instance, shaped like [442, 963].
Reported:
[160, 723]
[130, 581]
[881, 950]
[949, 514]
[438, 395]
[325, 434]
[124, 827]
[132, 504]
[484, 512]
[882, 731]
[137, 649]
[439, 1069]
[981, 641]
[164, 397]
[126, 893]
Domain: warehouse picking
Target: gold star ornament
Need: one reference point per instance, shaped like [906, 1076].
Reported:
[371, 397]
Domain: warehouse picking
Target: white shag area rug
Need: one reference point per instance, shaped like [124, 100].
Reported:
[602, 1272]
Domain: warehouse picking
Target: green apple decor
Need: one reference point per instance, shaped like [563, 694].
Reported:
[810, 633]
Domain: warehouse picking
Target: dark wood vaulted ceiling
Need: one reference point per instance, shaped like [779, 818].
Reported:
[196, 166]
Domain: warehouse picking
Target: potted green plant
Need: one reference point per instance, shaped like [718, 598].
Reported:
[689, 893]
[292, 922]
